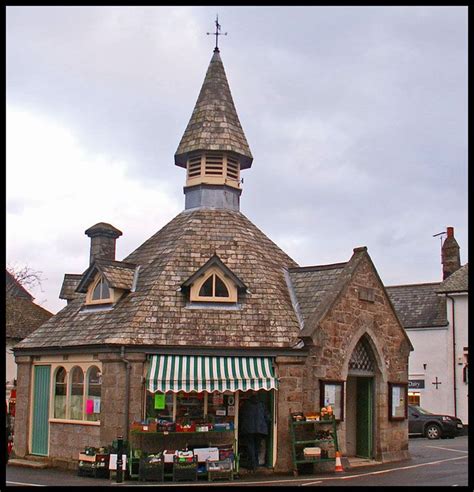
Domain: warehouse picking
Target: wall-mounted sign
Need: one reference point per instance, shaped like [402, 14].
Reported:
[416, 384]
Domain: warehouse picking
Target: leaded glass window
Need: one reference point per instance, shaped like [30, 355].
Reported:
[361, 359]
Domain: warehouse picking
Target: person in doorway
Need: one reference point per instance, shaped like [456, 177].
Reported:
[253, 423]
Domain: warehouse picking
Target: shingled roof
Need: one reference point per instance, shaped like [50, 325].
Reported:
[119, 274]
[312, 285]
[456, 282]
[418, 305]
[23, 317]
[214, 124]
[68, 288]
[13, 288]
[158, 313]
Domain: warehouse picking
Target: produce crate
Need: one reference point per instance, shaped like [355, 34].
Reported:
[185, 428]
[86, 469]
[312, 453]
[168, 427]
[185, 470]
[220, 469]
[151, 470]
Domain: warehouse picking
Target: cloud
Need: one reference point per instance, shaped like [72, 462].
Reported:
[68, 191]
[356, 117]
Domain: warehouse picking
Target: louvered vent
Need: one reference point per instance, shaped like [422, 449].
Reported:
[214, 165]
[232, 168]
[361, 359]
[194, 166]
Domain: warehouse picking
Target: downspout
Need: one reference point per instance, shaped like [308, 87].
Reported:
[454, 354]
[127, 392]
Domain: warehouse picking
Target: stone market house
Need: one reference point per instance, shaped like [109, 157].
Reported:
[205, 310]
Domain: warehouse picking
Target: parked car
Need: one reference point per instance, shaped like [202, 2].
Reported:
[431, 425]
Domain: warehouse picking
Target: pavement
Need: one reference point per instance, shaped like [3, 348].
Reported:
[439, 463]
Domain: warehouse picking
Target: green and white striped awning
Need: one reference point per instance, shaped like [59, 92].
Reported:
[209, 373]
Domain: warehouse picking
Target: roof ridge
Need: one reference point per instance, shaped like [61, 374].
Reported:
[413, 285]
[317, 268]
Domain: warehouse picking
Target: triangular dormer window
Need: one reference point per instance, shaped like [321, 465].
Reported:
[106, 281]
[214, 282]
[99, 291]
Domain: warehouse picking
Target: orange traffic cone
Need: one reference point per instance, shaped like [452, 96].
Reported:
[338, 462]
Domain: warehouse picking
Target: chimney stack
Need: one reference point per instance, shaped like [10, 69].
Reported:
[450, 257]
[103, 237]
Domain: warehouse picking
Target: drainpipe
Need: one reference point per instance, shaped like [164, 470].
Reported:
[454, 354]
[127, 391]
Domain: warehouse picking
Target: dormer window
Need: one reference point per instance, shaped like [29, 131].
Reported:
[99, 292]
[214, 282]
[105, 281]
[213, 287]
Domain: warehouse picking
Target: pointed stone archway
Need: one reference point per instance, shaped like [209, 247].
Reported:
[360, 400]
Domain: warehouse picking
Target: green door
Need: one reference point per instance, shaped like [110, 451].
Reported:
[40, 430]
[364, 432]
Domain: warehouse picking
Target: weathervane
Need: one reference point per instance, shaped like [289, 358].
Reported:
[217, 33]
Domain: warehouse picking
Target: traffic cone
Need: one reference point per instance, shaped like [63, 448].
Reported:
[338, 463]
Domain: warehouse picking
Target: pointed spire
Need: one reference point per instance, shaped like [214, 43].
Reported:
[214, 124]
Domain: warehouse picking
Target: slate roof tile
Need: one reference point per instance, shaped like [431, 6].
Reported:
[456, 282]
[418, 305]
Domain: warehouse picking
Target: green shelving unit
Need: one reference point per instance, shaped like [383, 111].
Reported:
[298, 444]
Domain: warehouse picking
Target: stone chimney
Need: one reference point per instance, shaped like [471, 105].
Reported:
[103, 237]
[450, 257]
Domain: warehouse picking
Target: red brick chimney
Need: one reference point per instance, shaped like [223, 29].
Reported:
[450, 257]
[103, 237]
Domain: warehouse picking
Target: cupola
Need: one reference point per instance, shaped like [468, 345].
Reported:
[213, 148]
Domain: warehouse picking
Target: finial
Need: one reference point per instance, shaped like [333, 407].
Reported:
[217, 33]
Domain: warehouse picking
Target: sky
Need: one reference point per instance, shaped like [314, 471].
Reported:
[356, 118]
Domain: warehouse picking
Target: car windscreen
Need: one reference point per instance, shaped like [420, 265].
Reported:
[422, 410]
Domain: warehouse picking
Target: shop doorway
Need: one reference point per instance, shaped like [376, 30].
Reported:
[360, 397]
[266, 444]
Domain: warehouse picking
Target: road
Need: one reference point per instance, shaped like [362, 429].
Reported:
[442, 462]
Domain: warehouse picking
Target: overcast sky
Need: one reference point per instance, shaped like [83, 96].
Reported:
[356, 118]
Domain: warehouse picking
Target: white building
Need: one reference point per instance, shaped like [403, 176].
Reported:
[435, 316]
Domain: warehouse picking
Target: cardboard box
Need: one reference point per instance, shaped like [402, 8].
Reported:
[203, 454]
[168, 455]
[86, 457]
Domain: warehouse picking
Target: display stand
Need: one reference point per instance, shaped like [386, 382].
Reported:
[189, 440]
[299, 441]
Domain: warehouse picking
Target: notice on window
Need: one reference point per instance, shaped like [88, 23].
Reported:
[96, 405]
[329, 394]
[160, 402]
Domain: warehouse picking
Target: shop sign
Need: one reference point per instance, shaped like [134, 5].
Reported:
[416, 384]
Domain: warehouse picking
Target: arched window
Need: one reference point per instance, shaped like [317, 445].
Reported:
[101, 290]
[94, 389]
[362, 359]
[60, 393]
[76, 398]
[214, 287]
